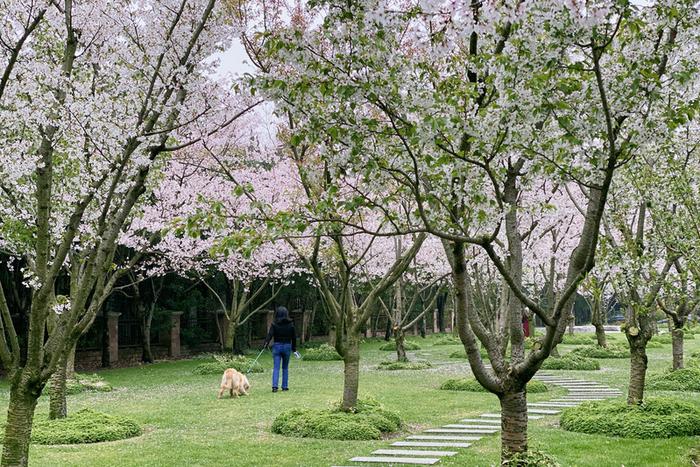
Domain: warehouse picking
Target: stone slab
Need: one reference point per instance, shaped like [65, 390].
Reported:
[397, 460]
[467, 432]
[472, 427]
[579, 399]
[444, 438]
[431, 444]
[480, 420]
[552, 404]
[413, 452]
[543, 411]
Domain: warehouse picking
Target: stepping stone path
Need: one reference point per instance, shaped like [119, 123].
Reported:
[447, 440]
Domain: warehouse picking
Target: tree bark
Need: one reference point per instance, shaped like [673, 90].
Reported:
[58, 407]
[18, 430]
[638, 371]
[677, 340]
[597, 322]
[400, 340]
[70, 363]
[351, 382]
[147, 352]
[513, 422]
[231, 335]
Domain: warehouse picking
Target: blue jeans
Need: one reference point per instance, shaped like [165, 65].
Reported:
[281, 354]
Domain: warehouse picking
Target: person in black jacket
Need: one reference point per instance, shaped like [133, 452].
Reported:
[285, 337]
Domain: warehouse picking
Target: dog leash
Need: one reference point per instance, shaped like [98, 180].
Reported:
[256, 360]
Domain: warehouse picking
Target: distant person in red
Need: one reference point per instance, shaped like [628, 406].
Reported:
[526, 325]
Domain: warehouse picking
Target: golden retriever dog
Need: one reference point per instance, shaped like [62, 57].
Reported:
[234, 382]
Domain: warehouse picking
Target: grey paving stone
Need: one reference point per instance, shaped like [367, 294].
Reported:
[472, 426]
[552, 404]
[397, 460]
[413, 452]
[465, 431]
[480, 420]
[444, 438]
[431, 444]
[543, 411]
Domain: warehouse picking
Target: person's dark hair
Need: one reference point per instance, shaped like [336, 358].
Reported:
[281, 315]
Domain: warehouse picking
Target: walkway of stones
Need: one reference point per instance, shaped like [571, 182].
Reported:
[428, 447]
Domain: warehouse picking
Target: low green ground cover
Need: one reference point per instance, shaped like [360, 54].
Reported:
[184, 424]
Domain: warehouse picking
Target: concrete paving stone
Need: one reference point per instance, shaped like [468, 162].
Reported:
[456, 431]
[431, 444]
[472, 426]
[444, 438]
[397, 460]
[413, 452]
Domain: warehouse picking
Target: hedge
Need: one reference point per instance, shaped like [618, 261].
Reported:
[472, 385]
[570, 361]
[407, 345]
[323, 352]
[222, 362]
[611, 351]
[684, 379]
[447, 340]
[84, 426]
[579, 339]
[369, 421]
[422, 365]
[655, 418]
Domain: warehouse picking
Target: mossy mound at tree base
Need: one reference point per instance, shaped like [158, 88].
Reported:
[578, 339]
[472, 385]
[407, 345]
[420, 365]
[571, 361]
[461, 353]
[369, 421]
[655, 418]
[222, 362]
[684, 379]
[322, 353]
[84, 426]
[652, 344]
[87, 383]
[531, 458]
[611, 351]
[447, 340]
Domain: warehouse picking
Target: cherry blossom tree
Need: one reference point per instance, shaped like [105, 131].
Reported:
[83, 128]
[472, 108]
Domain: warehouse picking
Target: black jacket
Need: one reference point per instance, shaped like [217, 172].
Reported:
[283, 333]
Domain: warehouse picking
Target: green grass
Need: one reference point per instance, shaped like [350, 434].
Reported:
[184, 424]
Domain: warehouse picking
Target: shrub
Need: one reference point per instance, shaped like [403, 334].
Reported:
[684, 379]
[447, 340]
[571, 361]
[655, 418]
[84, 426]
[461, 353]
[664, 339]
[578, 339]
[652, 344]
[471, 384]
[391, 345]
[322, 353]
[531, 458]
[87, 383]
[368, 421]
[611, 351]
[422, 365]
[222, 362]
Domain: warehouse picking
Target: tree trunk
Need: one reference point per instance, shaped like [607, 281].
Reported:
[513, 422]
[58, 407]
[400, 339]
[351, 382]
[331, 335]
[70, 363]
[677, 340]
[147, 353]
[638, 371]
[18, 430]
[231, 335]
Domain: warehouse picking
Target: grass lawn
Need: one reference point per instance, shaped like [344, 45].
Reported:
[185, 425]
